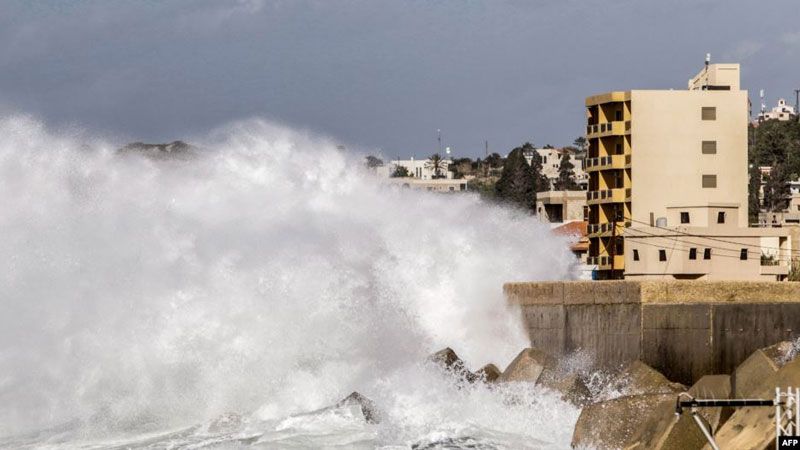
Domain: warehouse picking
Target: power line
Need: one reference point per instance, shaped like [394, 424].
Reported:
[713, 239]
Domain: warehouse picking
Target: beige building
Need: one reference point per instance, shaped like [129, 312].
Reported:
[551, 165]
[675, 162]
[782, 112]
[561, 206]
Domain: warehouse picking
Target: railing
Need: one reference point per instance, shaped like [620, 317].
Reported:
[608, 127]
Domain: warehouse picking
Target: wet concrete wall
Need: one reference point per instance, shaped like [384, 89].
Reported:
[685, 329]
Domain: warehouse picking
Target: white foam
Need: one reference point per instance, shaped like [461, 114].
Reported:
[270, 276]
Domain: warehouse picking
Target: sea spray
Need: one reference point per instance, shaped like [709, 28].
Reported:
[268, 275]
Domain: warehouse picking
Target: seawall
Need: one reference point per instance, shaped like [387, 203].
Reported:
[685, 329]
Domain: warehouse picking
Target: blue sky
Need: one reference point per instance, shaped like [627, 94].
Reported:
[375, 74]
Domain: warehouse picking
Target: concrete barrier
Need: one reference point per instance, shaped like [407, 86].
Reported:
[685, 329]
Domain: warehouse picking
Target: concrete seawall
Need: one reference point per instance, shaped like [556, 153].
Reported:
[685, 329]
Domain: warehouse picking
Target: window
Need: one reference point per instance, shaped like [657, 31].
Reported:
[707, 253]
[684, 217]
[544, 159]
[662, 255]
[743, 254]
[709, 147]
[709, 181]
[692, 253]
[721, 217]
[635, 255]
[618, 149]
[709, 113]
[618, 115]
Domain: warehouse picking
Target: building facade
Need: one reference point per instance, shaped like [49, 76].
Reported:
[561, 206]
[669, 161]
[782, 112]
[421, 169]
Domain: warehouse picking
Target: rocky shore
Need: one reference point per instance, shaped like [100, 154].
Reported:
[635, 406]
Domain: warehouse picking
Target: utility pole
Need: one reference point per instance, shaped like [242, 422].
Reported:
[797, 104]
[439, 138]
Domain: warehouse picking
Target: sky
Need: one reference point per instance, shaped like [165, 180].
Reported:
[378, 76]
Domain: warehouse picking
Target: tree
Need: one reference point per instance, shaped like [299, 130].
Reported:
[540, 180]
[777, 142]
[517, 183]
[566, 175]
[776, 190]
[373, 161]
[400, 172]
[580, 143]
[436, 164]
[753, 188]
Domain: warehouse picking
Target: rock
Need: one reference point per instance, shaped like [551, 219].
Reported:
[639, 378]
[665, 431]
[368, 408]
[450, 361]
[758, 366]
[754, 427]
[613, 424]
[488, 373]
[716, 387]
[527, 366]
[225, 423]
[570, 386]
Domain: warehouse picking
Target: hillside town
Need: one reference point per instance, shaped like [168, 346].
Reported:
[665, 184]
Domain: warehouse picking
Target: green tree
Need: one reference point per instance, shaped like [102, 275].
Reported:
[776, 190]
[753, 188]
[566, 175]
[517, 183]
[400, 172]
[777, 142]
[580, 143]
[540, 180]
[373, 161]
[436, 164]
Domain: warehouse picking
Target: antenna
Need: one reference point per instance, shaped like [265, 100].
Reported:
[708, 61]
[486, 146]
[439, 138]
[763, 105]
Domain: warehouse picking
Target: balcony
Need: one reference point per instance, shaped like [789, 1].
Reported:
[604, 262]
[605, 229]
[605, 196]
[605, 162]
[616, 128]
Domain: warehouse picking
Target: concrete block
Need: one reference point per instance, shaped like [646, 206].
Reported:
[612, 424]
[527, 366]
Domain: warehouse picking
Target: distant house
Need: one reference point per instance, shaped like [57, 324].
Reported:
[551, 164]
[782, 112]
[421, 169]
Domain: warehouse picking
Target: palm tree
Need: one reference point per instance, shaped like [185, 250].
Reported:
[436, 164]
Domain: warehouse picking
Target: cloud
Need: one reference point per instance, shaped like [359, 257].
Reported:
[743, 51]
[791, 39]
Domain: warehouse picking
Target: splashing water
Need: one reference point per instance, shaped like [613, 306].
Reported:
[267, 277]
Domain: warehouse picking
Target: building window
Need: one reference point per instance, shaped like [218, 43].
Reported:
[709, 113]
[707, 253]
[617, 115]
[684, 217]
[721, 217]
[544, 159]
[709, 181]
[692, 253]
[662, 255]
[709, 147]
[635, 255]
[743, 254]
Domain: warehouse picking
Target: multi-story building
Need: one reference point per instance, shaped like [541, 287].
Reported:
[666, 165]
